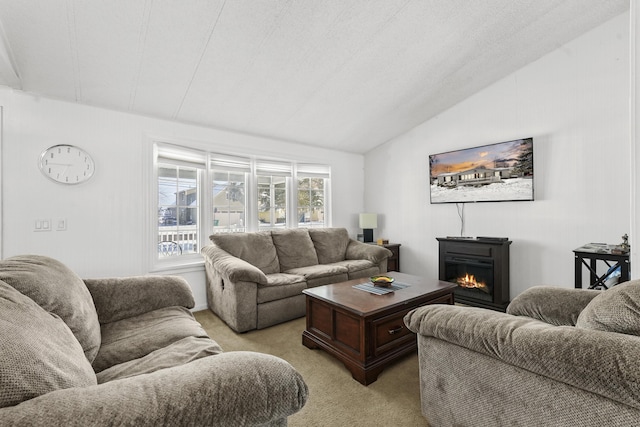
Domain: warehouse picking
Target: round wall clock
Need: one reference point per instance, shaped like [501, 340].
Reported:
[66, 164]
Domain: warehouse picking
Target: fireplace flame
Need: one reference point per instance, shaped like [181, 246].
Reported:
[469, 281]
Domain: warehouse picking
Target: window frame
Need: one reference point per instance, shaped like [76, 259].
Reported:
[177, 155]
[229, 164]
[311, 171]
[208, 161]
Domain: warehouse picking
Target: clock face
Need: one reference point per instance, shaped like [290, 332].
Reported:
[66, 164]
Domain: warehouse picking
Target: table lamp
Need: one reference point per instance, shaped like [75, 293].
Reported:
[368, 221]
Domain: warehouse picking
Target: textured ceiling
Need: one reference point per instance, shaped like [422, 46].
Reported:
[342, 74]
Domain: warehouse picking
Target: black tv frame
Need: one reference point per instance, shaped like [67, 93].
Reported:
[476, 174]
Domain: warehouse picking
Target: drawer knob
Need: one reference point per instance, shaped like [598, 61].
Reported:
[395, 330]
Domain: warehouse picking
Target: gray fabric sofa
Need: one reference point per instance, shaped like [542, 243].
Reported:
[255, 280]
[125, 351]
[558, 357]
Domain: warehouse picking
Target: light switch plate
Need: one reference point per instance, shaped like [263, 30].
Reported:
[42, 225]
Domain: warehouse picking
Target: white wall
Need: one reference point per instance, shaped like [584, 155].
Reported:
[106, 216]
[634, 131]
[574, 103]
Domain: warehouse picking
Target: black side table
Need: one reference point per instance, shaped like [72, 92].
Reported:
[595, 252]
[393, 264]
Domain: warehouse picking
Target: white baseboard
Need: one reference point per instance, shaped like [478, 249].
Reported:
[199, 307]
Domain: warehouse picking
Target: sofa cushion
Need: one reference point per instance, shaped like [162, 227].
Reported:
[281, 285]
[180, 352]
[327, 280]
[614, 310]
[551, 304]
[56, 289]
[295, 248]
[354, 265]
[137, 336]
[38, 352]
[255, 248]
[330, 243]
[320, 270]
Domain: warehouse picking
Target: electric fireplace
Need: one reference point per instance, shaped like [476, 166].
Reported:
[480, 268]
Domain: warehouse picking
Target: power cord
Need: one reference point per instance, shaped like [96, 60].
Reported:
[461, 215]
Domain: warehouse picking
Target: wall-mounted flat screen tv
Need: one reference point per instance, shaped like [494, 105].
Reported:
[489, 173]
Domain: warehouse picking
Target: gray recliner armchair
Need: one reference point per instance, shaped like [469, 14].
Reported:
[557, 357]
[125, 351]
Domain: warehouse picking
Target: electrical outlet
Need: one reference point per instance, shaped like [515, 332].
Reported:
[61, 224]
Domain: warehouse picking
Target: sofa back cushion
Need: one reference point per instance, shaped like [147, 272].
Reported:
[614, 310]
[38, 352]
[295, 248]
[57, 290]
[255, 248]
[330, 243]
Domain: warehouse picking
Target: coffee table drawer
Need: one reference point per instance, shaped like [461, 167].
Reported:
[390, 331]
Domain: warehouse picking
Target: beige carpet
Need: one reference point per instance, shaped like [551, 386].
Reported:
[335, 399]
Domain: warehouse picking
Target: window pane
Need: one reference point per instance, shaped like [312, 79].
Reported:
[311, 202]
[272, 201]
[317, 198]
[303, 183]
[316, 183]
[229, 200]
[177, 210]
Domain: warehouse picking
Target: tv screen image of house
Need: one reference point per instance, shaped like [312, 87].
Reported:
[489, 173]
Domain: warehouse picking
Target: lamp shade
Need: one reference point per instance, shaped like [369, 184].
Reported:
[368, 220]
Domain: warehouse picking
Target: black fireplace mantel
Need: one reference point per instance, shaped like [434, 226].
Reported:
[488, 251]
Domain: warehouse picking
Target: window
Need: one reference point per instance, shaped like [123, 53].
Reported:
[229, 184]
[200, 193]
[177, 210]
[178, 202]
[312, 183]
[274, 180]
[311, 202]
[272, 201]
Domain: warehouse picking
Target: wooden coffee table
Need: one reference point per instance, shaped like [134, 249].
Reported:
[364, 331]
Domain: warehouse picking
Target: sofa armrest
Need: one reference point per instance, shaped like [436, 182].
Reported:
[231, 267]
[373, 253]
[235, 388]
[124, 297]
[553, 305]
[604, 363]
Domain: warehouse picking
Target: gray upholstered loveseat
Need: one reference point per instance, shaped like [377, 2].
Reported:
[126, 351]
[558, 357]
[255, 280]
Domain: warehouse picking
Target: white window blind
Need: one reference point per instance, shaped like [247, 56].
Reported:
[273, 168]
[310, 170]
[228, 163]
[181, 156]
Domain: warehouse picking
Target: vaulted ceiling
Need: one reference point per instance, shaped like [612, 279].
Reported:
[341, 74]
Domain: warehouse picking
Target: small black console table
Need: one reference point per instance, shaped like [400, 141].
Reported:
[610, 255]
